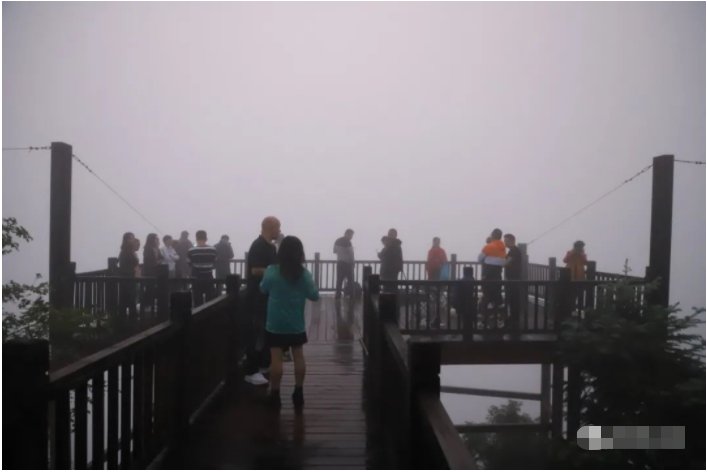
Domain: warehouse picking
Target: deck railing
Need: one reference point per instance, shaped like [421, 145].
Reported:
[126, 405]
[410, 328]
[402, 386]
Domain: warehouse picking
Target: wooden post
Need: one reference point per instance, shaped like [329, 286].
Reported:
[545, 400]
[552, 265]
[367, 271]
[565, 298]
[558, 374]
[25, 374]
[162, 284]
[574, 390]
[180, 303]
[453, 267]
[317, 270]
[523, 289]
[59, 224]
[590, 289]
[661, 227]
[233, 288]
[112, 266]
[468, 303]
[424, 361]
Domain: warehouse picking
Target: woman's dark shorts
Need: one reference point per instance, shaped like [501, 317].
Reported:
[285, 341]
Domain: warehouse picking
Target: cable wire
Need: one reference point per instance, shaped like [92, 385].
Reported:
[115, 192]
[700, 163]
[642, 171]
[29, 148]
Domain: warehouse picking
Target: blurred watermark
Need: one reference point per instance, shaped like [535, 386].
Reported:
[596, 438]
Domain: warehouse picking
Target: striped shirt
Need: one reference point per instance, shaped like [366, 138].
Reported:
[202, 259]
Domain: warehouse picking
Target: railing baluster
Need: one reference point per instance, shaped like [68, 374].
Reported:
[63, 431]
[98, 420]
[80, 438]
[125, 415]
[113, 406]
[138, 409]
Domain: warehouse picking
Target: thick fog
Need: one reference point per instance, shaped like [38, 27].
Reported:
[438, 119]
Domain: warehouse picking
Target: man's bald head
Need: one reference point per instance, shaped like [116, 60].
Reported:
[270, 228]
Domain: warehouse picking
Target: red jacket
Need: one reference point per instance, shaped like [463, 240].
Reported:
[436, 257]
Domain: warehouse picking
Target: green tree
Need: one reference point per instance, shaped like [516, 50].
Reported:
[28, 315]
[508, 449]
[25, 306]
[640, 365]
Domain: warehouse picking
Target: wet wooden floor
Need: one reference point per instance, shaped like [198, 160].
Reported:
[241, 431]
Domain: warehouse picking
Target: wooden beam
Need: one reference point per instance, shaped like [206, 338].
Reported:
[498, 352]
[502, 428]
[453, 448]
[482, 392]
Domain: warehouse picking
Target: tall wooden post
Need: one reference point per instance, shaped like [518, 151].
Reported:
[59, 224]
[661, 227]
[453, 267]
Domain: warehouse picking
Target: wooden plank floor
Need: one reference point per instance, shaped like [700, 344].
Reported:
[240, 431]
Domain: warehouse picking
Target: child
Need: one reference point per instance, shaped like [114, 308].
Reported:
[288, 284]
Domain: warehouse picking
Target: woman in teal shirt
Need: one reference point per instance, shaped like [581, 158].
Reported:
[289, 284]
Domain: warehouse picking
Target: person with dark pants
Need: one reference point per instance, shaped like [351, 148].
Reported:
[261, 254]
[492, 258]
[202, 258]
[344, 262]
[391, 257]
[513, 272]
[289, 285]
[127, 269]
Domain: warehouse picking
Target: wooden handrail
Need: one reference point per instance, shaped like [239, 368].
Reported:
[86, 367]
[453, 448]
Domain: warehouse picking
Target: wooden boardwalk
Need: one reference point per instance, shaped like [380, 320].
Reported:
[240, 431]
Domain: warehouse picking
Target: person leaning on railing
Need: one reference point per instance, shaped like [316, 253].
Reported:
[344, 262]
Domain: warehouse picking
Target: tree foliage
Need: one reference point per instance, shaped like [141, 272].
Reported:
[508, 450]
[641, 365]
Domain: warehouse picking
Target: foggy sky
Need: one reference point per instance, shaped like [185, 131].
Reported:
[438, 119]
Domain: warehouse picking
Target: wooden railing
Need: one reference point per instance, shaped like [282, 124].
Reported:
[404, 355]
[125, 406]
[402, 388]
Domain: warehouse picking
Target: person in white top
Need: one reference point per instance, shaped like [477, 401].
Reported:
[169, 254]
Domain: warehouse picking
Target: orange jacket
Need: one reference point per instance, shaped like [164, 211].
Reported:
[494, 253]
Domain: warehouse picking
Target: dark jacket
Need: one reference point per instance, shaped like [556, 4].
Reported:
[224, 254]
[391, 259]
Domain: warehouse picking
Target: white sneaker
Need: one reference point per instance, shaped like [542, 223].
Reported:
[264, 370]
[256, 379]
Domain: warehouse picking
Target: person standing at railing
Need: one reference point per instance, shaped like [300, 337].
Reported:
[151, 257]
[576, 261]
[261, 254]
[169, 254]
[513, 269]
[182, 247]
[391, 257]
[289, 284]
[492, 258]
[224, 254]
[128, 268]
[344, 263]
[436, 258]
[202, 258]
